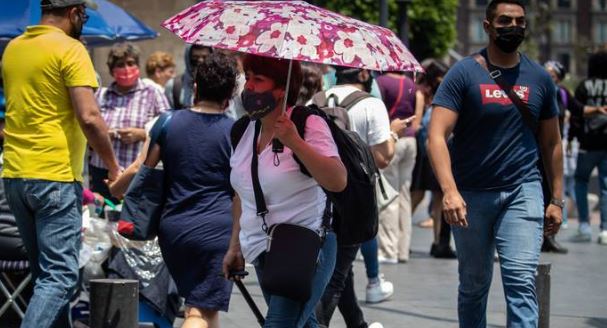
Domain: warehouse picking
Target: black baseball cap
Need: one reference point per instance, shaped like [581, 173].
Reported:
[52, 4]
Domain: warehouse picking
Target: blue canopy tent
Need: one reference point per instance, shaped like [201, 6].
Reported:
[107, 25]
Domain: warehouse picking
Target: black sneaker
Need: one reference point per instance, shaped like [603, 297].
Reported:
[442, 251]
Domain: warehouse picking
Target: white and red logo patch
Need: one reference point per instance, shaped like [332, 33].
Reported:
[493, 94]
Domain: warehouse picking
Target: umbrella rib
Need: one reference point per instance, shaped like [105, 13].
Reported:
[284, 39]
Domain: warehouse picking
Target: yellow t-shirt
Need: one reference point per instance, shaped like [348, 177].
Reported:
[43, 139]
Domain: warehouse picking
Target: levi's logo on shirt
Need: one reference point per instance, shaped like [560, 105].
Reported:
[493, 94]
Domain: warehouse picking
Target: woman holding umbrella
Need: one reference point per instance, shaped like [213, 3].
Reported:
[291, 196]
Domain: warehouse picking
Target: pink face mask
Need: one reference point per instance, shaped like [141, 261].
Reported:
[126, 76]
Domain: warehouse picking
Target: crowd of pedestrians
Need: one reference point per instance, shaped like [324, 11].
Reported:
[498, 153]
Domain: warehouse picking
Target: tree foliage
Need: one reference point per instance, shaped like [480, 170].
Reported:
[432, 29]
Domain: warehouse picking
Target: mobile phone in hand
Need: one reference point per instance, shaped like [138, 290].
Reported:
[409, 120]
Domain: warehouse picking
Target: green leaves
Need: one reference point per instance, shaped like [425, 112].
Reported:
[432, 23]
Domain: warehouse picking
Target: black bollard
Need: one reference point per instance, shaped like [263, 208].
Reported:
[114, 303]
[542, 289]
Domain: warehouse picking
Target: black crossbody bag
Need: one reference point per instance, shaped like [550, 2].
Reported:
[496, 74]
[293, 251]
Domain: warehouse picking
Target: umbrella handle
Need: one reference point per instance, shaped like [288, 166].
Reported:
[277, 146]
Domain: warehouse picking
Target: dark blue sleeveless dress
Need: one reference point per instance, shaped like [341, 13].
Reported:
[196, 224]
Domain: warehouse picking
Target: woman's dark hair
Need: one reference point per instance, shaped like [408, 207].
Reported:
[434, 71]
[491, 9]
[597, 65]
[311, 84]
[216, 78]
[277, 70]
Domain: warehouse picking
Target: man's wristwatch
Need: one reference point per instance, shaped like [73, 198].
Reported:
[558, 202]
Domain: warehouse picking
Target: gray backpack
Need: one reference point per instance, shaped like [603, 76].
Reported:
[339, 112]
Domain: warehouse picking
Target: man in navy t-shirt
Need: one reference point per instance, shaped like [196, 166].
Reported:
[489, 174]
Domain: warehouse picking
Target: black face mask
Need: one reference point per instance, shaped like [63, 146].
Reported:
[258, 104]
[508, 39]
[76, 30]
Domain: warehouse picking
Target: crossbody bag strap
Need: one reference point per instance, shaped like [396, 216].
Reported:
[496, 74]
[401, 89]
[260, 201]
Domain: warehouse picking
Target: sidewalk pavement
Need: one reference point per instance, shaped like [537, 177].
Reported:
[426, 289]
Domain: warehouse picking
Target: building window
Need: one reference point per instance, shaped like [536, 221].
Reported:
[565, 59]
[477, 30]
[600, 32]
[600, 4]
[481, 3]
[562, 31]
[564, 3]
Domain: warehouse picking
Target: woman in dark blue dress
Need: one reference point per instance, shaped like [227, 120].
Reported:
[196, 223]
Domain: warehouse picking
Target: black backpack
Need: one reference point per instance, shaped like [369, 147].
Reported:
[355, 218]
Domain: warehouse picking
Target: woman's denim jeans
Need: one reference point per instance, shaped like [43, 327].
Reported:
[286, 313]
[49, 217]
[511, 221]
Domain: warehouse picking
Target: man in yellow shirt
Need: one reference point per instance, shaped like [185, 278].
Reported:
[51, 113]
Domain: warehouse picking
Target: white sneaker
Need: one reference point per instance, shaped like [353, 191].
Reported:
[603, 237]
[385, 260]
[379, 291]
[584, 234]
[375, 325]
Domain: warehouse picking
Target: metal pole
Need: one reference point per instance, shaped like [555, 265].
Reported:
[114, 303]
[403, 26]
[542, 289]
[383, 13]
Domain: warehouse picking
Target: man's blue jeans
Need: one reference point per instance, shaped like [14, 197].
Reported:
[586, 162]
[511, 221]
[286, 313]
[49, 217]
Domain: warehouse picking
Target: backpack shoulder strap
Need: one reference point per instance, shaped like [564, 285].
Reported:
[299, 116]
[238, 130]
[353, 99]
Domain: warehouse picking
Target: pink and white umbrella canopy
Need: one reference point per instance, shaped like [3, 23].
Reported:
[292, 30]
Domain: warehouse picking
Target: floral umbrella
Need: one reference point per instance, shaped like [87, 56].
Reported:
[292, 30]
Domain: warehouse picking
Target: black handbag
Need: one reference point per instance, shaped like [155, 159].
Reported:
[144, 199]
[292, 252]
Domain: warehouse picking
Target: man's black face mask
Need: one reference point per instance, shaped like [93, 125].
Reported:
[78, 25]
[508, 39]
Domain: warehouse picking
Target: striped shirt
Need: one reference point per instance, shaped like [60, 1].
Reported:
[131, 110]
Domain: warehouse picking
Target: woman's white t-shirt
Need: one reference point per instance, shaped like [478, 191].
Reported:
[291, 197]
